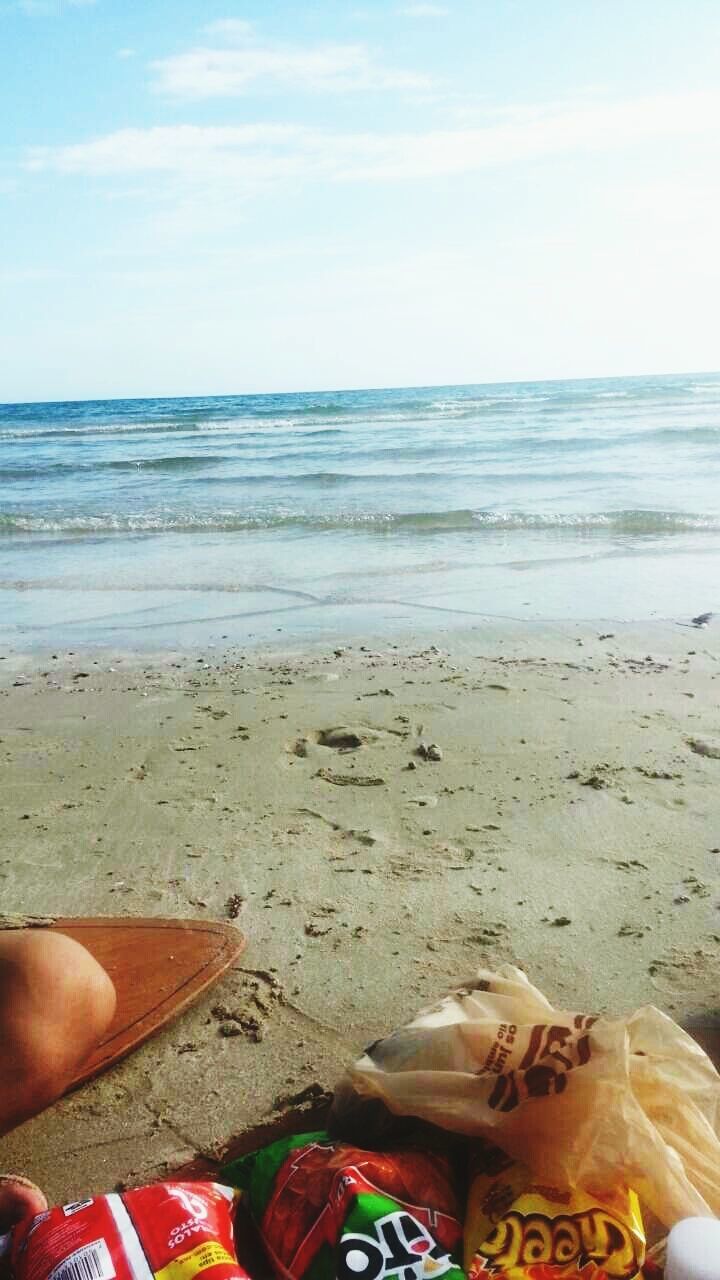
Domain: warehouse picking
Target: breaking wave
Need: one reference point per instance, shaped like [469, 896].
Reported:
[615, 523]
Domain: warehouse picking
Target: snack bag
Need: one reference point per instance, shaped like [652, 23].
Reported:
[582, 1100]
[516, 1229]
[169, 1231]
[329, 1211]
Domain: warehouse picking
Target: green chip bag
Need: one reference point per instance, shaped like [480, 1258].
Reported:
[329, 1211]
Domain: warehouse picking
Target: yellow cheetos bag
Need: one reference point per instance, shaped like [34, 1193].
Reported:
[516, 1229]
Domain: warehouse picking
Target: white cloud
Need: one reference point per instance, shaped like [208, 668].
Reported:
[423, 11]
[669, 206]
[126, 53]
[257, 151]
[212, 72]
[248, 154]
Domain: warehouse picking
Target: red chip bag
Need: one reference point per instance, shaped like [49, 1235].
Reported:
[168, 1231]
[327, 1210]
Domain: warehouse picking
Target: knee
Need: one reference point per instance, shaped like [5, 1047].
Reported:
[84, 991]
[56, 1002]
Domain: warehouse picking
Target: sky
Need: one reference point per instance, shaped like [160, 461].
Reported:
[207, 197]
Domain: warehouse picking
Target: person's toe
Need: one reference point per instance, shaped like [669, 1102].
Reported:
[19, 1198]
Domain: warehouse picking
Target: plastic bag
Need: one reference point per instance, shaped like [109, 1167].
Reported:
[324, 1209]
[169, 1231]
[588, 1103]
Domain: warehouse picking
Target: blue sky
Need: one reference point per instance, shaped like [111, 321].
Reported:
[200, 197]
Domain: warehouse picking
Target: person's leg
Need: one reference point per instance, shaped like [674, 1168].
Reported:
[55, 1003]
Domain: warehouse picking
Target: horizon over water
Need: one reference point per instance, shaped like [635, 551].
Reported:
[170, 523]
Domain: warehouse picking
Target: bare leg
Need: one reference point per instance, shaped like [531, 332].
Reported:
[55, 1003]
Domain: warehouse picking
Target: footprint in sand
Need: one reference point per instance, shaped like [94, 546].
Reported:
[685, 974]
[341, 738]
[705, 747]
[347, 737]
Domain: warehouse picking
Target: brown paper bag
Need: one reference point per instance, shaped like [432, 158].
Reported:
[585, 1102]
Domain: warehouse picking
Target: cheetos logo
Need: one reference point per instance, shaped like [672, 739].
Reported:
[569, 1239]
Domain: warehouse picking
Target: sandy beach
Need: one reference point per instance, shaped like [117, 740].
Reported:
[570, 826]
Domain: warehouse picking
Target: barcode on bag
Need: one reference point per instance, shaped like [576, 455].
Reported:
[91, 1262]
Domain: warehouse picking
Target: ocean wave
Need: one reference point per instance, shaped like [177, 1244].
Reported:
[188, 465]
[525, 445]
[88, 430]
[583, 440]
[639, 523]
[302, 421]
[180, 462]
[270, 433]
[523, 418]
[245, 427]
[420, 476]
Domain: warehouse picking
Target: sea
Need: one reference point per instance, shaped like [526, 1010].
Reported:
[160, 524]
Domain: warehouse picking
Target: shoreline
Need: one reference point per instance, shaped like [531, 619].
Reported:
[356, 628]
[570, 828]
[168, 592]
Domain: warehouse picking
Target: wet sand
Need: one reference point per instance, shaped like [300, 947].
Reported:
[571, 826]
